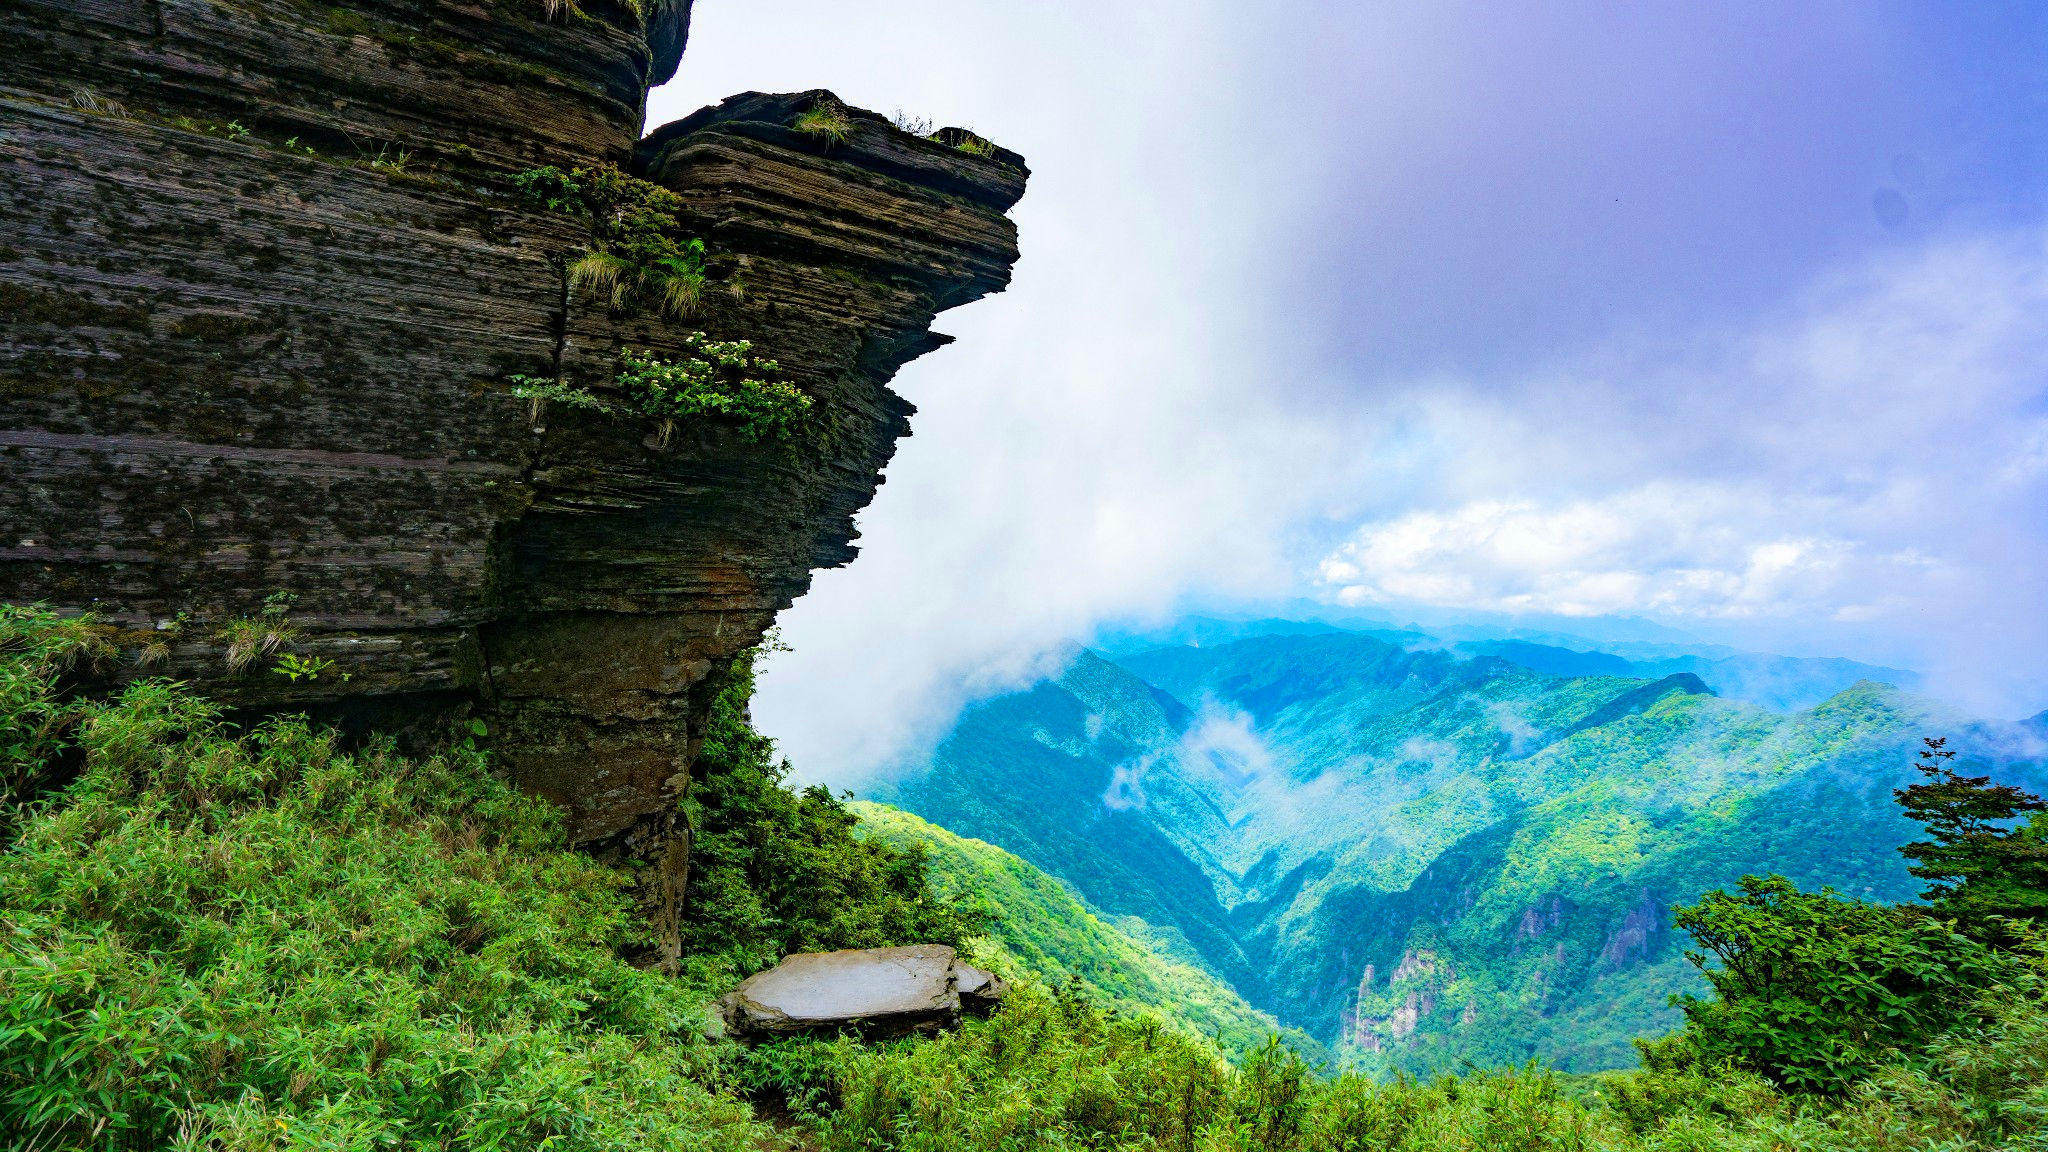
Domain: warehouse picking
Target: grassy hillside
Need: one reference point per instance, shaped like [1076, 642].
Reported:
[1037, 927]
[220, 940]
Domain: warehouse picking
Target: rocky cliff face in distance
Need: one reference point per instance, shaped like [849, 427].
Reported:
[267, 270]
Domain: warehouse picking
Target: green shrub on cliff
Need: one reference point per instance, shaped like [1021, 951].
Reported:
[638, 253]
[713, 378]
[718, 378]
[827, 121]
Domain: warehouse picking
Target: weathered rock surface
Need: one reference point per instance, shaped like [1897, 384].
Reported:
[263, 277]
[874, 991]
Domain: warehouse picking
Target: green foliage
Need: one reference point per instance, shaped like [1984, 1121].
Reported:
[1051, 1071]
[389, 157]
[1981, 867]
[551, 188]
[827, 121]
[714, 378]
[774, 871]
[295, 667]
[232, 130]
[539, 392]
[638, 255]
[259, 942]
[37, 724]
[1815, 992]
[1048, 1071]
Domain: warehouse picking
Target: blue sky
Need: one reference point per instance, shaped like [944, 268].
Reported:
[1732, 317]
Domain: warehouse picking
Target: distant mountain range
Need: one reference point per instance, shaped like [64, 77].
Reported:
[1423, 851]
[1780, 683]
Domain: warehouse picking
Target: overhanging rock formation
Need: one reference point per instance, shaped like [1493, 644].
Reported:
[265, 273]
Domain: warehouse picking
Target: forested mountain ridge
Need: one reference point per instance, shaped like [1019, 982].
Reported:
[1420, 856]
[1780, 683]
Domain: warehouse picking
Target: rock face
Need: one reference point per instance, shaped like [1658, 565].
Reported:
[264, 275]
[875, 991]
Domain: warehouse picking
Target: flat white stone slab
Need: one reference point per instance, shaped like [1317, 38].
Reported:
[883, 991]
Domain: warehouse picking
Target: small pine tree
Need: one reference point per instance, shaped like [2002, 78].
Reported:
[1979, 866]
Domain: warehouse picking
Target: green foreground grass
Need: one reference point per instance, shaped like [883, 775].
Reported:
[226, 940]
[1054, 1072]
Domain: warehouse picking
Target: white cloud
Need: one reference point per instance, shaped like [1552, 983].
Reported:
[1857, 473]
[1655, 550]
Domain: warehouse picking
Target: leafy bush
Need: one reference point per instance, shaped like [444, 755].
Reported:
[229, 941]
[551, 188]
[716, 378]
[1047, 1071]
[1814, 992]
[774, 871]
[1052, 1071]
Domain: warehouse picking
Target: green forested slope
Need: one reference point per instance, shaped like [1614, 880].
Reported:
[1037, 927]
[1033, 773]
[226, 940]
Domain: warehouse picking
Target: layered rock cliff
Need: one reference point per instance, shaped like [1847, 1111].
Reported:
[266, 270]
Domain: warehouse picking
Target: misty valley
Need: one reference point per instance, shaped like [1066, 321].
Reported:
[1426, 854]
